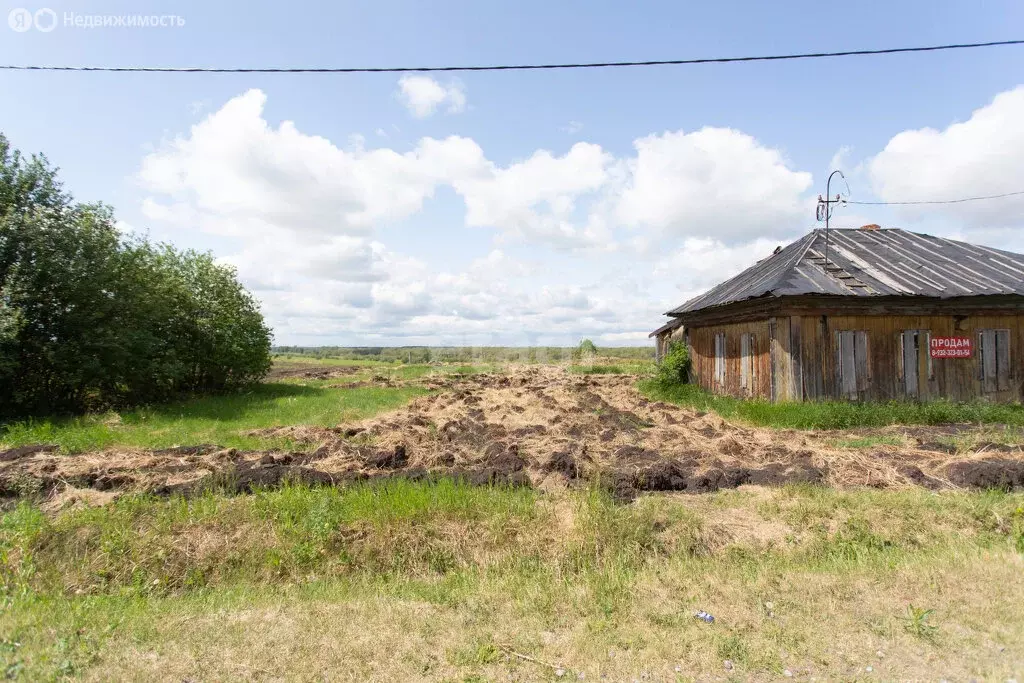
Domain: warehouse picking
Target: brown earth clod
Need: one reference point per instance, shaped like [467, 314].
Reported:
[533, 426]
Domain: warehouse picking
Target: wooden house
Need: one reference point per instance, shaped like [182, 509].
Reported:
[869, 314]
[665, 335]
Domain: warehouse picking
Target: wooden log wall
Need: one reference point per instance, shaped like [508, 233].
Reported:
[702, 355]
[952, 378]
[794, 357]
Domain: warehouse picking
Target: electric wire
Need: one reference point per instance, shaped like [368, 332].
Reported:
[513, 67]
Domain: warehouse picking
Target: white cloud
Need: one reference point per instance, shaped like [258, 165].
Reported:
[237, 175]
[124, 228]
[422, 95]
[536, 198]
[712, 181]
[707, 261]
[981, 156]
[573, 127]
[303, 215]
[840, 159]
[265, 264]
[634, 338]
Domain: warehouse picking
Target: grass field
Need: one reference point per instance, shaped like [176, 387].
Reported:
[448, 582]
[212, 419]
[834, 414]
[442, 581]
[285, 360]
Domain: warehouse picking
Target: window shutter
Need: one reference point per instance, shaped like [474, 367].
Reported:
[1002, 359]
[744, 361]
[860, 353]
[981, 355]
[839, 364]
[988, 361]
[900, 344]
[846, 363]
[752, 354]
[926, 348]
[720, 358]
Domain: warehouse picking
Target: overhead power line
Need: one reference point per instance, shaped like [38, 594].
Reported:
[941, 201]
[512, 67]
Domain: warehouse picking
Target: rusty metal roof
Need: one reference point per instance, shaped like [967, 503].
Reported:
[673, 324]
[865, 263]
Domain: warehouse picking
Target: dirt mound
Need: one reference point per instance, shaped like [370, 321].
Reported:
[988, 474]
[25, 451]
[532, 426]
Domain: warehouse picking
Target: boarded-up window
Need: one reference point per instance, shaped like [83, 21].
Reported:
[912, 344]
[747, 365]
[994, 360]
[853, 371]
[720, 358]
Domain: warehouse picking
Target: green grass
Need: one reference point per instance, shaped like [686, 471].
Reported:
[417, 371]
[297, 360]
[834, 414]
[372, 371]
[445, 579]
[867, 441]
[210, 419]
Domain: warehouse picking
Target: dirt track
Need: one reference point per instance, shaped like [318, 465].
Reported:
[538, 426]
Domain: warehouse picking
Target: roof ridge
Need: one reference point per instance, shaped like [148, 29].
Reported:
[810, 237]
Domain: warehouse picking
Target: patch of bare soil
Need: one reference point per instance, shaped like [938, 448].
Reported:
[279, 372]
[535, 426]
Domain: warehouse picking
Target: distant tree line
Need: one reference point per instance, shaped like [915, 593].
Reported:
[90, 319]
[464, 354]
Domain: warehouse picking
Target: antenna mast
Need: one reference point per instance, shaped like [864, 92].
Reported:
[824, 211]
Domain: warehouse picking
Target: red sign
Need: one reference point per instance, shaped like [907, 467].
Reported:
[951, 347]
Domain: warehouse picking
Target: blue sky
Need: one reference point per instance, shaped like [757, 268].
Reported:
[518, 207]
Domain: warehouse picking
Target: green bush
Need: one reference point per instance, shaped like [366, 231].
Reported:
[585, 349]
[675, 366]
[89, 319]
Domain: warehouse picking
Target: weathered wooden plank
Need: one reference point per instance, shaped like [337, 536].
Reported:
[779, 366]
[1002, 359]
[847, 363]
[807, 346]
[745, 362]
[924, 364]
[796, 371]
[988, 360]
[860, 358]
[910, 364]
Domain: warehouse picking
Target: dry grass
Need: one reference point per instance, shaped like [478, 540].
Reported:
[549, 428]
[448, 582]
[819, 625]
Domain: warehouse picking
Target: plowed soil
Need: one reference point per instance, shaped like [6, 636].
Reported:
[311, 372]
[538, 426]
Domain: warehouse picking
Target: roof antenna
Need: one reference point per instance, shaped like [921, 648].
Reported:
[824, 210]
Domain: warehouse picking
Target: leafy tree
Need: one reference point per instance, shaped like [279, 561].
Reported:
[88, 319]
[585, 349]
